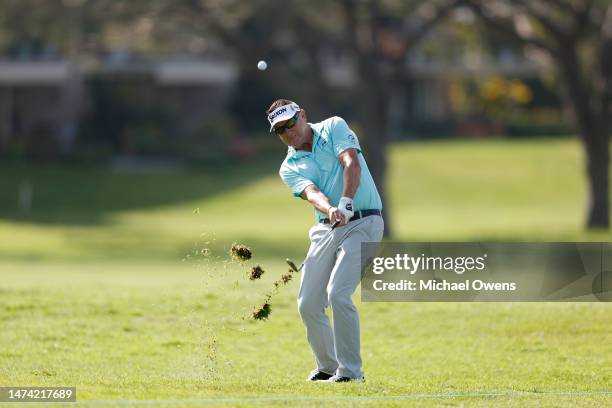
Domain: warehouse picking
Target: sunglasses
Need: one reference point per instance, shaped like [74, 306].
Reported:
[288, 125]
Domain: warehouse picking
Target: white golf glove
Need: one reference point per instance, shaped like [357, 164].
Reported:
[346, 208]
[334, 215]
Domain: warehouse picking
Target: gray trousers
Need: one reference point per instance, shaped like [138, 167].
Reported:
[331, 273]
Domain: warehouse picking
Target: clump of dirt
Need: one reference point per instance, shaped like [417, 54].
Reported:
[263, 312]
[284, 279]
[256, 272]
[240, 252]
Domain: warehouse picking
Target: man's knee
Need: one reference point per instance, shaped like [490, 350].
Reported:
[340, 299]
[309, 308]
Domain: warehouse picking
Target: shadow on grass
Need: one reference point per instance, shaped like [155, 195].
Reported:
[70, 195]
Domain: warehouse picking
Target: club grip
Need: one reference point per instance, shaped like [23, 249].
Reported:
[335, 224]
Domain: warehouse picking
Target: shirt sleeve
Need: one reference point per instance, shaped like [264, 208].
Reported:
[343, 137]
[295, 181]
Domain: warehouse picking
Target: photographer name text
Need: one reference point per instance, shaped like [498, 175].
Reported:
[434, 285]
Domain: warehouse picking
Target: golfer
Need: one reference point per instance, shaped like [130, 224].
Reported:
[325, 166]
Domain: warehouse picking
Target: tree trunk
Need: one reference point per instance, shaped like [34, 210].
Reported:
[375, 116]
[7, 118]
[598, 162]
[594, 136]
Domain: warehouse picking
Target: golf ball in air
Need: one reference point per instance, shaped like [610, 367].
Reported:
[262, 65]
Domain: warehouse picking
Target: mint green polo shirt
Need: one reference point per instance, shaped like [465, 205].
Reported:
[322, 168]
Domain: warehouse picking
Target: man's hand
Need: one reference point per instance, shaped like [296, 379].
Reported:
[321, 203]
[346, 208]
[335, 214]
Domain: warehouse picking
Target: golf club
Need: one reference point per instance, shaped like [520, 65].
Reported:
[327, 234]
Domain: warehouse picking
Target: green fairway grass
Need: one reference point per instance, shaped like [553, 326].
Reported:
[104, 286]
[165, 331]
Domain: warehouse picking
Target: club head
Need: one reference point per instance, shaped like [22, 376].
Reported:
[292, 265]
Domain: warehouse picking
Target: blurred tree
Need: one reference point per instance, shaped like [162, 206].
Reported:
[76, 28]
[576, 36]
[377, 36]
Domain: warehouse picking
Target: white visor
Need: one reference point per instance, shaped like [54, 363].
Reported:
[283, 113]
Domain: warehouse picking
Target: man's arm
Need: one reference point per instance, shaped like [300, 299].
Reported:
[352, 172]
[320, 201]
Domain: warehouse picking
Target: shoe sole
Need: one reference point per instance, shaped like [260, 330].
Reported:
[309, 380]
[353, 380]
